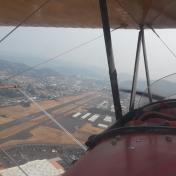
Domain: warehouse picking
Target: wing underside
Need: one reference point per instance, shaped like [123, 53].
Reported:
[79, 13]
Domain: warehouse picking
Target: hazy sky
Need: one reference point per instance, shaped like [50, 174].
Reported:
[31, 45]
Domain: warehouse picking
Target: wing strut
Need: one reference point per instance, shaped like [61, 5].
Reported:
[110, 58]
[146, 67]
[135, 75]
[141, 40]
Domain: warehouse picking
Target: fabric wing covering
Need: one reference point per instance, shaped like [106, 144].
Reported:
[85, 13]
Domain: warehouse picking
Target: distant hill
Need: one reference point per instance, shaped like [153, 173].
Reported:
[141, 85]
[82, 71]
[163, 87]
[63, 69]
[72, 69]
[17, 68]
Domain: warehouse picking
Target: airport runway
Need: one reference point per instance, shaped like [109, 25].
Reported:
[38, 114]
[71, 124]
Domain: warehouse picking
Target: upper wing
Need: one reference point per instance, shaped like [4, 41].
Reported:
[85, 13]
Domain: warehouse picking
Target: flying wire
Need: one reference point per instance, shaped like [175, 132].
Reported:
[164, 43]
[54, 120]
[24, 20]
[13, 160]
[52, 58]
[59, 55]
[37, 65]
[3, 39]
[46, 61]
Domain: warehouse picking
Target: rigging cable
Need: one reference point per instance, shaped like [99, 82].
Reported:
[24, 20]
[13, 160]
[59, 55]
[46, 61]
[164, 43]
[54, 120]
[3, 39]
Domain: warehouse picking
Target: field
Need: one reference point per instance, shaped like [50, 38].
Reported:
[29, 125]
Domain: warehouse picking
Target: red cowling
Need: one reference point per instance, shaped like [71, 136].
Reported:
[129, 155]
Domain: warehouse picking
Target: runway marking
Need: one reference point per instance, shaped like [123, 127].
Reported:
[108, 119]
[94, 118]
[102, 125]
[76, 115]
[86, 115]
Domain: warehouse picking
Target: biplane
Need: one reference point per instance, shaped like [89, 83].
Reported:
[143, 141]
